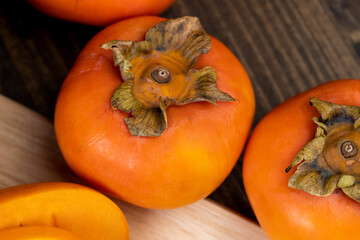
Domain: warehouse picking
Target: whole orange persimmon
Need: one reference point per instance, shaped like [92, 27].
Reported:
[99, 13]
[301, 165]
[164, 126]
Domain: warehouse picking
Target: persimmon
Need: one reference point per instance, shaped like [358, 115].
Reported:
[58, 210]
[301, 165]
[99, 13]
[166, 129]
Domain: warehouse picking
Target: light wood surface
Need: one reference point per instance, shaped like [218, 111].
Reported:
[29, 153]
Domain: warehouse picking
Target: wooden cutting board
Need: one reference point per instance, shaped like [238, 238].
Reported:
[29, 153]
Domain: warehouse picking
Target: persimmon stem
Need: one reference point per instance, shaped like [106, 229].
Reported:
[160, 72]
[331, 160]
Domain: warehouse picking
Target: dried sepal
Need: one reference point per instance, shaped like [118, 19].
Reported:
[123, 52]
[124, 99]
[204, 87]
[357, 123]
[309, 153]
[331, 159]
[309, 179]
[184, 35]
[322, 129]
[150, 122]
[330, 110]
[146, 67]
[353, 191]
[346, 181]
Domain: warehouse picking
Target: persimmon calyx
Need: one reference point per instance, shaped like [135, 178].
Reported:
[159, 72]
[331, 160]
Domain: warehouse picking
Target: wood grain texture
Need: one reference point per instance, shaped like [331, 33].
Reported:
[29, 153]
[286, 47]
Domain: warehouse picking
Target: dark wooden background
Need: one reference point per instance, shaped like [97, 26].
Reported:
[286, 46]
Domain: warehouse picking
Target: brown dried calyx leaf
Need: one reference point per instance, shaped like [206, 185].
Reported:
[159, 72]
[331, 160]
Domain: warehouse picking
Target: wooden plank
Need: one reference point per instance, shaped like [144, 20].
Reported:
[29, 153]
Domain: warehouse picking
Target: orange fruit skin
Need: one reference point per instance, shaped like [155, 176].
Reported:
[283, 212]
[195, 154]
[37, 232]
[99, 13]
[80, 212]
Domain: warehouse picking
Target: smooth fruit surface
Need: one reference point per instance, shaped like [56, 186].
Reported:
[37, 233]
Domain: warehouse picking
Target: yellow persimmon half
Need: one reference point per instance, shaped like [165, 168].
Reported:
[58, 210]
